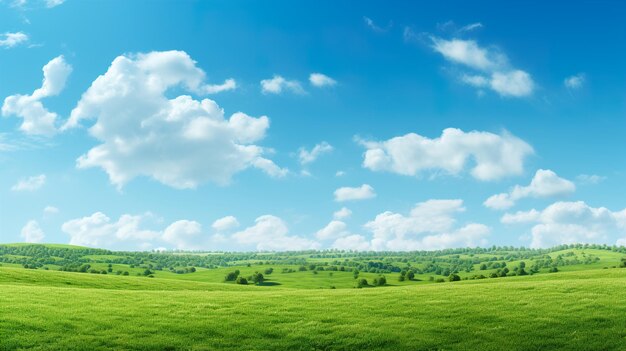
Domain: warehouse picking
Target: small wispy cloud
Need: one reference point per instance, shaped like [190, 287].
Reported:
[471, 27]
[590, 179]
[277, 84]
[574, 82]
[373, 26]
[30, 184]
[54, 3]
[9, 40]
[321, 80]
[305, 156]
[491, 67]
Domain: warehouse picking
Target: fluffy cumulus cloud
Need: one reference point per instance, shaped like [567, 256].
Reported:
[142, 232]
[305, 156]
[9, 40]
[489, 67]
[277, 85]
[30, 184]
[321, 80]
[362, 192]
[342, 213]
[429, 226]
[225, 224]
[32, 233]
[544, 184]
[333, 230]
[98, 230]
[574, 82]
[571, 222]
[183, 234]
[181, 142]
[271, 233]
[492, 156]
[36, 119]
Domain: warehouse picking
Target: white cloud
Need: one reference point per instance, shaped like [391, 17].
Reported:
[134, 232]
[183, 234]
[495, 71]
[515, 83]
[48, 3]
[409, 35]
[9, 40]
[429, 226]
[54, 3]
[278, 84]
[494, 156]
[370, 23]
[37, 120]
[343, 213]
[352, 242]
[50, 210]
[574, 82]
[469, 53]
[340, 173]
[269, 167]
[475, 80]
[544, 184]
[180, 142]
[590, 179]
[225, 224]
[32, 233]
[471, 27]
[30, 184]
[98, 230]
[321, 80]
[18, 3]
[270, 233]
[571, 222]
[333, 230]
[363, 192]
[229, 84]
[307, 156]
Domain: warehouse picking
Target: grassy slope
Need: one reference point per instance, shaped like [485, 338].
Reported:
[571, 311]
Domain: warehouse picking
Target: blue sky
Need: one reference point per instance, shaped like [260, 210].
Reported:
[437, 125]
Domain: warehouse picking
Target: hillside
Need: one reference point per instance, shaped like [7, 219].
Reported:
[579, 307]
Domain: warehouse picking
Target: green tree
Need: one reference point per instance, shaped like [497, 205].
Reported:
[454, 277]
[257, 278]
[241, 280]
[410, 275]
[232, 276]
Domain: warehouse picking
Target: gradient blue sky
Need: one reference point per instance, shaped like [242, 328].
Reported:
[546, 76]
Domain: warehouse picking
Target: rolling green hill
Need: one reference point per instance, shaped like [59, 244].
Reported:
[580, 307]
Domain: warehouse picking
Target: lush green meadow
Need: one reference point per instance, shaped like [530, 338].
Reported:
[582, 306]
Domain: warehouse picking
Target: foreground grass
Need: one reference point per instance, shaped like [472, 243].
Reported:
[567, 311]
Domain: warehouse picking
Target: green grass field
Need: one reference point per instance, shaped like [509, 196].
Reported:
[579, 308]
